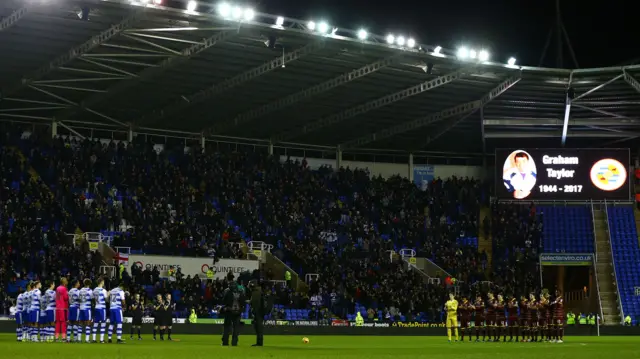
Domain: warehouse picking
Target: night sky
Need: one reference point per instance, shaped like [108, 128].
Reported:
[600, 32]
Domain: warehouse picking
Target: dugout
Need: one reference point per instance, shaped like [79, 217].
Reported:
[574, 275]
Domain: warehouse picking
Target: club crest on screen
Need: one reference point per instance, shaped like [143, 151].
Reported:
[608, 174]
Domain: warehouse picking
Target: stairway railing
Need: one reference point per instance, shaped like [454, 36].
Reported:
[613, 264]
[595, 259]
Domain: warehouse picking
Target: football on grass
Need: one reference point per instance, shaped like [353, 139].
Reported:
[305, 340]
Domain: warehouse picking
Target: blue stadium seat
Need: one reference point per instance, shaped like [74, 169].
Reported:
[626, 257]
[567, 229]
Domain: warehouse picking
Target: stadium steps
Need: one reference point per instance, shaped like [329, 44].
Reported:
[485, 243]
[604, 270]
[414, 267]
[278, 268]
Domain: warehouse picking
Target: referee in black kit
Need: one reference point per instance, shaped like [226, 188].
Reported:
[234, 302]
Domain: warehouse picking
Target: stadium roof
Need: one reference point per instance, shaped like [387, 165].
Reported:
[170, 72]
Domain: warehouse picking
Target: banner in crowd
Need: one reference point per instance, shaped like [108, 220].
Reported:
[417, 325]
[566, 259]
[191, 266]
[219, 321]
[297, 323]
[149, 320]
[347, 323]
[422, 176]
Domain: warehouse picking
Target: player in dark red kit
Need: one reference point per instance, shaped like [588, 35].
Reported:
[501, 319]
[491, 316]
[558, 318]
[525, 318]
[464, 311]
[479, 318]
[512, 310]
[543, 310]
[549, 314]
[533, 324]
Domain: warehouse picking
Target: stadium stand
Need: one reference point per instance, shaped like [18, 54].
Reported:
[626, 255]
[517, 231]
[33, 229]
[341, 225]
[164, 202]
[567, 229]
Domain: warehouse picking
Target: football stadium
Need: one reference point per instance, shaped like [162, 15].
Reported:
[199, 178]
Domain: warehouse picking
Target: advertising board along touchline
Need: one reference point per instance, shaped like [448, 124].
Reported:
[192, 266]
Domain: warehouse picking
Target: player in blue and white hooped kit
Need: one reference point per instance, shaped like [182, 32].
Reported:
[116, 305]
[100, 296]
[48, 329]
[20, 310]
[34, 310]
[43, 316]
[26, 305]
[86, 295]
[74, 329]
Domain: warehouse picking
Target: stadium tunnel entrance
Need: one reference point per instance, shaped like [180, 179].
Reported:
[577, 285]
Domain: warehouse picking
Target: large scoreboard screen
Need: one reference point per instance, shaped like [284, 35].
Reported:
[562, 174]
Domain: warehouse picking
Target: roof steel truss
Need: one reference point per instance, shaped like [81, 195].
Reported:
[13, 18]
[292, 99]
[151, 70]
[372, 105]
[76, 52]
[226, 85]
[631, 81]
[553, 122]
[463, 110]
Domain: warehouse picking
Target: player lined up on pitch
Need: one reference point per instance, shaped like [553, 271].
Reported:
[65, 315]
[527, 320]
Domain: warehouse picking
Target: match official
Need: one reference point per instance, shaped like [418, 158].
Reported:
[234, 302]
[259, 308]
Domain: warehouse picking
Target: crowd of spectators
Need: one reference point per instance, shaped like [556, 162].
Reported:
[33, 227]
[341, 225]
[517, 230]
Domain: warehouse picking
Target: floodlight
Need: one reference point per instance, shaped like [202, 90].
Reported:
[311, 25]
[224, 9]
[280, 21]
[323, 27]
[390, 39]
[437, 50]
[473, 54]
[411, 42]
[248, 14]
[192, 6]
[236, 13]
[463, 52]
[362, 34]
[512, 61]
[157, 2]
[483, 55]
[400, 41]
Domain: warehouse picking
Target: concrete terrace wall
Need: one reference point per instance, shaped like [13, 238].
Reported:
[387, 170]
[383, 169]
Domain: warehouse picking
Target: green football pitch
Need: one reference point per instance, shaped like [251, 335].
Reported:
[199, 346]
